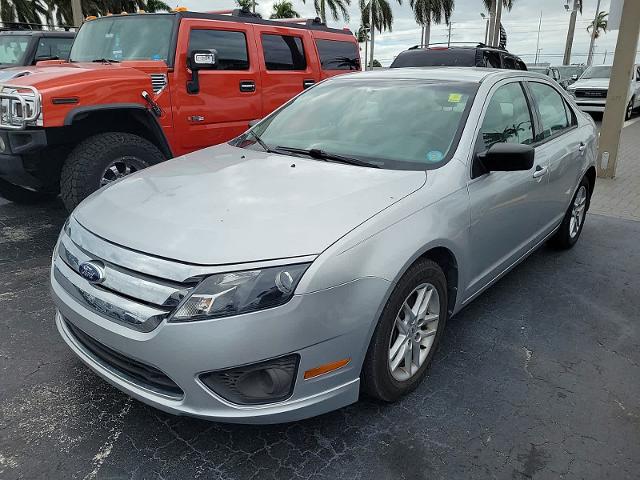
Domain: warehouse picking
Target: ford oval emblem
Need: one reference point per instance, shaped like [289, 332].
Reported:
[92, 271]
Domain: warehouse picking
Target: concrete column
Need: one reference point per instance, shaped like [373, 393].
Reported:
[623, 63]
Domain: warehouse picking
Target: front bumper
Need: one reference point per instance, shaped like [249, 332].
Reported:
[19, 147]
[320, 327]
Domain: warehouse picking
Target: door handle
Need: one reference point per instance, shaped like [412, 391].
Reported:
[582, 147]
[540, 171]
[247, 86]
[307, 83]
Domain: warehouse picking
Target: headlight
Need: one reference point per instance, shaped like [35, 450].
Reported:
[234, 293]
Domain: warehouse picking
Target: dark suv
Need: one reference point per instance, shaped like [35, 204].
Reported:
[458, 56]
[19, 48]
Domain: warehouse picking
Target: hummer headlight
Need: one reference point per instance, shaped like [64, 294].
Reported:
[234, 293]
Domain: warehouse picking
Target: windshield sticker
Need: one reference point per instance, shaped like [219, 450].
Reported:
[434, 156]
[455, 97]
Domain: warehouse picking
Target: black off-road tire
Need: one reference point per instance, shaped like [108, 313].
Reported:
[86, 164]
[628, 113]
[563, 239]
[376, 378]
[21, 195]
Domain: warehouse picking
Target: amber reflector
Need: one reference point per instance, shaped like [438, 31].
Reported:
[326, 368]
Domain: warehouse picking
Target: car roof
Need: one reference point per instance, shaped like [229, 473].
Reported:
[459, 74]
[41, 33]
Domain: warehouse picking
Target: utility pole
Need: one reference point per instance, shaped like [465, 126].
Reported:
[492, 21]
[538, 42]
[570, 33]
[593, 35]
[449, 39]
[623, 61]
[497, 22]
[76, 10]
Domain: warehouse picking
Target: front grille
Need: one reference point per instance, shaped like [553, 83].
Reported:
[134, 299]
[586, 93]
[158, 81]
[136, 372]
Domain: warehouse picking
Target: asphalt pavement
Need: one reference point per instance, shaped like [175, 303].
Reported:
[538, 378]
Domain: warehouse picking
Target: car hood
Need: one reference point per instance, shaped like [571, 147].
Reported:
[226, 205]
[591, 83]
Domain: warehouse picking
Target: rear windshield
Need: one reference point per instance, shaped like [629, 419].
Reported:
[435, 57]
[398, 124]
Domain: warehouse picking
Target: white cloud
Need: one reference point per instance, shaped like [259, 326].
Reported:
[521, 25]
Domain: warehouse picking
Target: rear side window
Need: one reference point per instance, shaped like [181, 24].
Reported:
[509, 62]
[553, 113]
[283, 52]
[231, 47]
[491, 59]
[336, 55]
[520, 65]
[54, 48]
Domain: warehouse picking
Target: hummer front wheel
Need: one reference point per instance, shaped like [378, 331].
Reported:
[102, 159]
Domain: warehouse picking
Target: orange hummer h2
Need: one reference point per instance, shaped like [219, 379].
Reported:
[143, 88]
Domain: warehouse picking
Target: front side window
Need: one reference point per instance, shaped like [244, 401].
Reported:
[118, 38]
[283, 52]
[231, 47]
[337, 55]
[393, 124]
[54, 48]
[12, 49]
[507, 119]
[551, 107]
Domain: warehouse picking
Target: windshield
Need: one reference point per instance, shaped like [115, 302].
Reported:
[13, 48]
[568, 72]
[543, 70]
[395, 124]
[135, 37]
[597, 72]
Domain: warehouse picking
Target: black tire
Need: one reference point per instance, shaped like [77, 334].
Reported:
[564, 238]
[21, 195]
[86, 165]
[629, 111]
[377, 379]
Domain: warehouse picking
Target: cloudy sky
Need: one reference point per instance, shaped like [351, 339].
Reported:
[467, 26]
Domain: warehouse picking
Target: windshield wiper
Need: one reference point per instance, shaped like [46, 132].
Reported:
[264, 146]
[105, 60]
[326, 156]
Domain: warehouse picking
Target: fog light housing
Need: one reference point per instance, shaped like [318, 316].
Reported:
[255, 384]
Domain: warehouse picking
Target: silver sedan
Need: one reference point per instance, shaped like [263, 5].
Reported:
[319, 255]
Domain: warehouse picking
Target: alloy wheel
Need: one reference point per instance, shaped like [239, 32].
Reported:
[119, 168]
[414, 332]
[578, 211]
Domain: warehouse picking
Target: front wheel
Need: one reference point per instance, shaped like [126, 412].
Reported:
[407, 334]
[102, 159]
[629, 111]
[571, 226]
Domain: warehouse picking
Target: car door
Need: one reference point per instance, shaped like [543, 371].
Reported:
[561, 145]
[505, 206]
[229, 95]
[636, 85]
[288, 64]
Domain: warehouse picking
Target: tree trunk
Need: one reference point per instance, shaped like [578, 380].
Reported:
[572, 28]
[497, 21]
[492, 24]
[427, 32]
[366, 43]
[373, 32]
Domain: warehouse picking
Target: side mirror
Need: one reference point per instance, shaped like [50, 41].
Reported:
[200, 60]
[507, 157]
[574, 77]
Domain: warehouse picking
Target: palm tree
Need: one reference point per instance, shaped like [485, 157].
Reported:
[248, 5]
[382, 18]
[24, 11]
[337, 8]
[427, 11]
[284, 9]
[490, 5]
[600, 23]
[64, 14]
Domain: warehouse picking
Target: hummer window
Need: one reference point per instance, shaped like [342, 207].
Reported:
[117, 38]
[12, 48]
[283, 52]
[53, 48]
[231, 47]
[336, 55]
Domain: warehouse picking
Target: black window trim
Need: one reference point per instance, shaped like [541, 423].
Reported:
[218, 29]
[559, 133]
[276, 34]
[485, 106]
